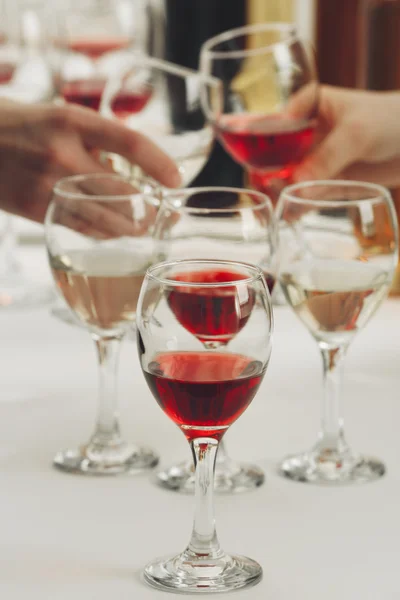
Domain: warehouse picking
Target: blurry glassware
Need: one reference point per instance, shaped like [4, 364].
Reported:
[98, 235]
[270, 100]
[203, 391]
[224, 224]
[95, 37]
[17, 289]
[24, 76]
[338, 245]
[164, 102]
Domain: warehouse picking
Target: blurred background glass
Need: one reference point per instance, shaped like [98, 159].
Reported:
[94, 38]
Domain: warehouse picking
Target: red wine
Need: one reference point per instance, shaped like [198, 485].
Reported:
[203, 392]
[129, 102]
[85, 92]
[269, 280]
[266, 143]
[7, 71]
[88, 92]
[212, 314]
[94, 48]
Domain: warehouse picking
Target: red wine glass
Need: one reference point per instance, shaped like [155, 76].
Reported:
[228, 224]
[338, 254]
[270, 100]
[203, 391]
[95, 37]
[98, 236]
[164, 102]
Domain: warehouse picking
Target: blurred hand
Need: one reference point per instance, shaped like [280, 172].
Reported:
[41, 144]
[358, 137]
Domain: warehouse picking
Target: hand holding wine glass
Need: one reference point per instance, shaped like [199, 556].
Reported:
[359, 137]
[203, 392]
[42, 143]
[338, 252]
[262, 68]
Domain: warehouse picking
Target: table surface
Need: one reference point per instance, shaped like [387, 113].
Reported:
[64, 536]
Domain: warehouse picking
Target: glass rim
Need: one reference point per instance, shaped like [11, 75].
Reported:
[288, 193]
[170, 194]
[57, 188]
[287, 27]
[151, 273]
[165, 66]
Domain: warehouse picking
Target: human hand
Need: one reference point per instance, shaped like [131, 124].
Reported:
[41, 144]
[357, 137]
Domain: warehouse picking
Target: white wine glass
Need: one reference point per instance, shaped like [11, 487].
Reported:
[98, 235]
[203, 391]
[226, 224]
[338, 253]
[165, 102]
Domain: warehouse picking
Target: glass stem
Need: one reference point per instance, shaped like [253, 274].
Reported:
[331, 437]
[204, 542]
[107, 431]
[222, 455]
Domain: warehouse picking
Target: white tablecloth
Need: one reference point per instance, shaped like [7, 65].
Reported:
[66, 537]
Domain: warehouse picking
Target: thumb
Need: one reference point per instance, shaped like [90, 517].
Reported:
[337, 151]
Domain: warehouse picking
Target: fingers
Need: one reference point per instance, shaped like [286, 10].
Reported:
[336, 152]
[135, 147]
[304, 103]
[104, 206]
[387, 173]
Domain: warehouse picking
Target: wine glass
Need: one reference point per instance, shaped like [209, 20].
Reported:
[228, 224]
[94, 37]
[338, 253]
[98, 235]
[204, 390]
[270, 100]
[164, 102]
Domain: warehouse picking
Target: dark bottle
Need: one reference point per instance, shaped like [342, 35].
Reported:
[179, 29]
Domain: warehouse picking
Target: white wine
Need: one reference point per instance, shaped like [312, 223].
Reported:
[102, 286]
[334, 298]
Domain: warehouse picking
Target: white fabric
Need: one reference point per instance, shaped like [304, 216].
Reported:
[68, 537]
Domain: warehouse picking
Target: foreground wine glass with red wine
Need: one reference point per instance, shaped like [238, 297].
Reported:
[98, 235]
[204, 391]
[338, 242]
[228, 224]
[270, 100]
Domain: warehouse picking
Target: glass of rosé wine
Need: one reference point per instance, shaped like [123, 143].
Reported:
[228, 224]
[270, 100]
[98, 234]
[95, 38]
[203, 377]
[338, 253]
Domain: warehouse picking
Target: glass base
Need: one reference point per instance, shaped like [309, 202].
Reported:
[331, 468]
[189, 573]
[18, 292]
[230, 477]
[89, 460]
